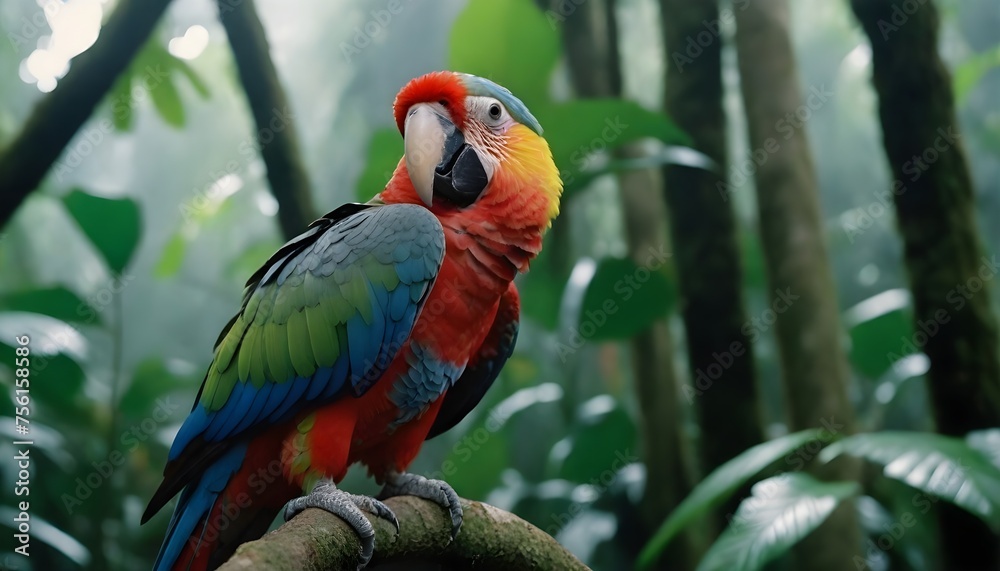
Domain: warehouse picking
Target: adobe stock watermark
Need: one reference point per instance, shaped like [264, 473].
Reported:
[901, 12]
[601, 483]
[593, 319]
[130, 440]
[894, 531]
[365, 34]
[612, 130]
[705, 377]
[795, 461]
[787, 127]
[958, 296]
[33, 27]
[865, 217]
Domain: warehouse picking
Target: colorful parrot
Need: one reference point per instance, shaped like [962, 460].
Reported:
[379, 327]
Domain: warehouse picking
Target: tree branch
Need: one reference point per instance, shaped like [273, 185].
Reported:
[491, 539]
[276, 134]
[60, 114]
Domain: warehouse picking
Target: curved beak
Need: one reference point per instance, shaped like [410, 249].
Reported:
[439, 160]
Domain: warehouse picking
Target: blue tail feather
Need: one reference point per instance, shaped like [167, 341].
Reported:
[195, 505]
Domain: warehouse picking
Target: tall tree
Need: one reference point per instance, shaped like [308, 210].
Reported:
[279, 146]
[703, 229]
[590, 39]
[947, 267]
[813, 364]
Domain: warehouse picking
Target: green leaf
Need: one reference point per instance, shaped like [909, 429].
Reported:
[623, 299]
[167, 101]
[669, 155]
[603, 437]
[150, 381]
[55, 350]
[509, 42]
[193, 77]
[476, 462]
[384, 151]
[970, 72]
[880, 328]
[576, 130]
[944, 467]
[718, 486]
[172, 257]
[542, 288]
[782, 510]
[122, 115]
[50, 535]
[987, 442]
[111, 224]
[57, 302]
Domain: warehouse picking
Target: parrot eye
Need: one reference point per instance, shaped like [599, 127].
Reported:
[495, 111]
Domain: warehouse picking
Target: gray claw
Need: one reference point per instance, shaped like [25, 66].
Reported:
[347, 507]
[437, 491]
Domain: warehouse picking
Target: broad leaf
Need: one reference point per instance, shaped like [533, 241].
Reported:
[881, 329]
[50, 535]
[986, 442]
[151, 380]
[718, 486]
[542, 288]
[584, 127]
[151, 75]
[172, 257]
[603, 439]
[57, 302]
[668, 155]
[515, 46]
[111, 224]
[55, 351]
[945, 467]
[782, 510]
[623, 299]
[168, 104]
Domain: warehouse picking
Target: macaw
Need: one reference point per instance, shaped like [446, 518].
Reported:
[379, 327]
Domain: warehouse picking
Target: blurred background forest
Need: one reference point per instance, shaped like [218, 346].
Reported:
[772, 277]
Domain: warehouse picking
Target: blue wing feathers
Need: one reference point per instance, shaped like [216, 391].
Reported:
[330, 256]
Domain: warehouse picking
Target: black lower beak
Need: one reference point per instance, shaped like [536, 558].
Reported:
[460, 177]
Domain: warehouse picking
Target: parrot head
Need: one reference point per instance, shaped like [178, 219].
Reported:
[471, 147]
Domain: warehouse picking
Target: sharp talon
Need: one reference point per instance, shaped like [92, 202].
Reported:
[326, 496]
[437, 491]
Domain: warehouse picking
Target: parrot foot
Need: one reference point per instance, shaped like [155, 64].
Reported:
[326, 496]
[437, 491]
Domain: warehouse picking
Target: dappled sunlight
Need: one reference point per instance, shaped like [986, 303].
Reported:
[74, 27]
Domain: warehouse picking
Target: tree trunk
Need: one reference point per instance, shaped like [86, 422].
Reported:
[276, 134]
[590, 38]
[703, 229]
[804, 306]
[949, 273]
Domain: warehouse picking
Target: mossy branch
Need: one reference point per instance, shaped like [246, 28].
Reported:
[491, 539]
